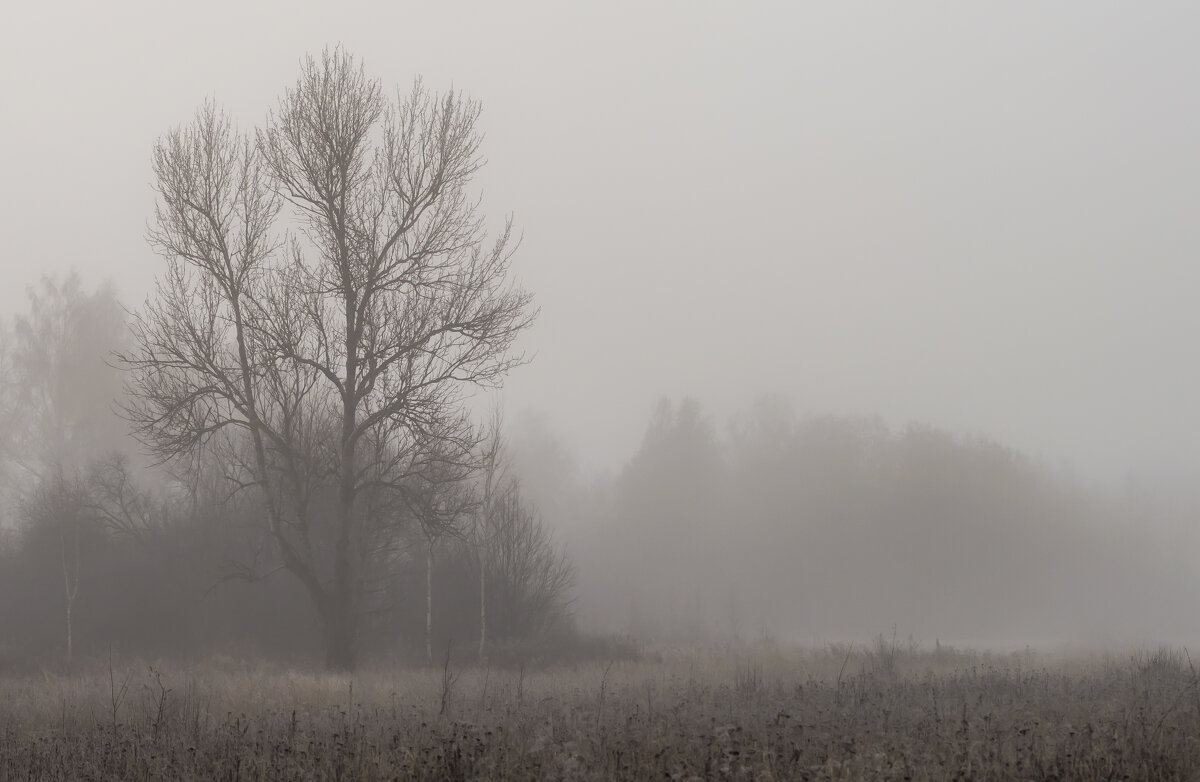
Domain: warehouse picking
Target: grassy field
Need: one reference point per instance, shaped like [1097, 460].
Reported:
[883, 712]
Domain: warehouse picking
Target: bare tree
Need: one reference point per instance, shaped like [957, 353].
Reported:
[58, 391]
[60, 502]
[327, 358]
[118, 503]
[8, 395]
[493, 468]
[56, 421]
[531, 578]
[440, 500]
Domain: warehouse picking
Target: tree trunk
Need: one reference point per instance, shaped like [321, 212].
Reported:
[70, 589]
[482, 608]
[340, 655]
[69, 601]
[340, 631]
[429, 603]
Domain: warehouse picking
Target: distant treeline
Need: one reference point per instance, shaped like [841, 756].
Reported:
[828, 528]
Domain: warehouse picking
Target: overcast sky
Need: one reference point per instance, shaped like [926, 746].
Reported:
[980, 216]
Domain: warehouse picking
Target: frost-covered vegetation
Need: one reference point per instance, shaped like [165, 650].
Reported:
[881, 712]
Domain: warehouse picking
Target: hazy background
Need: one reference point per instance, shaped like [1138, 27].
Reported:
[977, 216]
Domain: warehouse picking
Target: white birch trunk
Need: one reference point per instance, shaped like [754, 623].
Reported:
[70, 590]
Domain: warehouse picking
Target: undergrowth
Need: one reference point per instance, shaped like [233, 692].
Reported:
[886, 711]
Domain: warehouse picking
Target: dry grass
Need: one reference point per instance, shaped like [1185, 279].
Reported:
[883, 712]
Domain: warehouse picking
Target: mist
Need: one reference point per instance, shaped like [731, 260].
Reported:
[771, 526]
[852, 320]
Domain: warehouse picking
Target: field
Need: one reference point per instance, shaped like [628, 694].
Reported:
[762, 713]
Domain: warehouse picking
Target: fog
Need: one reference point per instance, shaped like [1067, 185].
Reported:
[853, 319]
[811, 530]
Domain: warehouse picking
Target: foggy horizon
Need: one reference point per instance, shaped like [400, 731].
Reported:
[971, 217]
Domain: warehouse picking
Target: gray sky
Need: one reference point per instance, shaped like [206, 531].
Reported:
[981, 216]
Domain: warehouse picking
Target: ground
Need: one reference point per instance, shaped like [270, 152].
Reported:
[754, 713]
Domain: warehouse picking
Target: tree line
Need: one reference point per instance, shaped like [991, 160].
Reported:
[772, 524]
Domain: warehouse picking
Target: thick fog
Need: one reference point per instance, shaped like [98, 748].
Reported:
[853, 317]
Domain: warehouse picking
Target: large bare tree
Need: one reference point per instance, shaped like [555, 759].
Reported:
[330, 293]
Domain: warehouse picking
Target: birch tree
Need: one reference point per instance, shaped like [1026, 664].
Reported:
[493, 468]
[440, 500]
[532, 578]
[61, 505]
[56, 419]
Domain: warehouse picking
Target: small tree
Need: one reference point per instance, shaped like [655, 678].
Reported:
[119, 504]
[60, 504]
[63, 388]
[439, 501]
[56, 419]
[531, 579]
[326, 363]
[493, 466]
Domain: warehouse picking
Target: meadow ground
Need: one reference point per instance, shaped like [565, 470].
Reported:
[761, 713]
